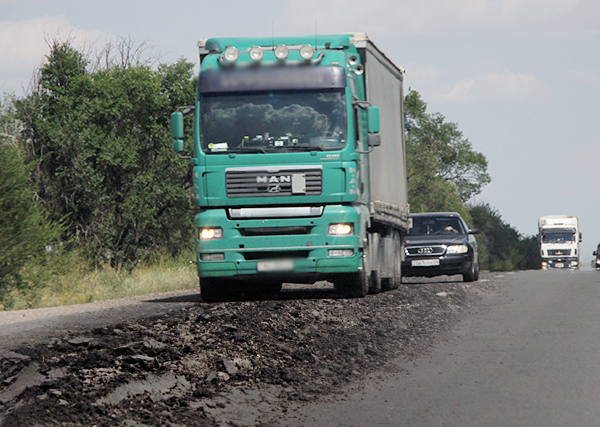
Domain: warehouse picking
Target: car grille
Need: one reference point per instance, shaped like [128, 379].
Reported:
[559, 252]
[435, 250]
[274, 182]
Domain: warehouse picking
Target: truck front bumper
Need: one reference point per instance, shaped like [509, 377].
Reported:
[288, 248]
[548, 263]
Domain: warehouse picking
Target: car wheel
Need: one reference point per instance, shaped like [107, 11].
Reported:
[473, 273]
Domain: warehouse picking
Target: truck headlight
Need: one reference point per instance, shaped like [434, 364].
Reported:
[457, 249]
[341, 229]
[215, 233]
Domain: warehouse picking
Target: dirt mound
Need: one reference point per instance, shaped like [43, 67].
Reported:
[222, 364]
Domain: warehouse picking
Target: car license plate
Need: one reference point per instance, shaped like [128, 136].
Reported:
[425, 262]
[275, 265]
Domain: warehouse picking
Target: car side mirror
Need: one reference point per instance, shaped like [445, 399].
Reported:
[474, 231]
[594, 253]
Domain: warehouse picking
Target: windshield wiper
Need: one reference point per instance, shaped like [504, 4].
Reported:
[304, 147]
[246, 150]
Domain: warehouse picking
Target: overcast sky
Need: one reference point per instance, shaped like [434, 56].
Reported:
[521, 78]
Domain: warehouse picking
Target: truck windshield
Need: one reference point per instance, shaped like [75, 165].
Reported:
[558, 238]
[261, 122]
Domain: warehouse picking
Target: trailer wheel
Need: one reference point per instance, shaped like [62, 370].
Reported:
[397, 265]
[214, 289]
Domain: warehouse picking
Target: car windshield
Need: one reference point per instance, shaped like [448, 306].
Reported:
[423, 226]
[259, 122]
[558, 238]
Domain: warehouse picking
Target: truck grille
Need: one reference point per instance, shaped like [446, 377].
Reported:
[559, 252]
[274, 182]
[425, 250]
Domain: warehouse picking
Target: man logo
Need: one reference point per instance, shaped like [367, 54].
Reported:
[274, 188]
[425, 251]
[274, 179]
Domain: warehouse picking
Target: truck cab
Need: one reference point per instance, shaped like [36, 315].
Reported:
[285, 135]
[559, 239]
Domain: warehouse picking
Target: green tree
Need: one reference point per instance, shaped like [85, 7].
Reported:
[443, 169]
[99, 137]
[505, 248]
[24, 226]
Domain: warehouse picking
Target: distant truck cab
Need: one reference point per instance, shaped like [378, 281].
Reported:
[596, 259]
[559, 239]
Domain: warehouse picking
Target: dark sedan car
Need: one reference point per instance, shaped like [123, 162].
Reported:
[438, 244]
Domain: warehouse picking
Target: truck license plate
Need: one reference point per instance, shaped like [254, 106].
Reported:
[559, 265]
[275, 265]
[425, 262]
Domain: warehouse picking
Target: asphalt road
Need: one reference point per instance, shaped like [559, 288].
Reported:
[24, 326]
[531, 359]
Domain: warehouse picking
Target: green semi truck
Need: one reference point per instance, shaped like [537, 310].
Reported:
[299, 166]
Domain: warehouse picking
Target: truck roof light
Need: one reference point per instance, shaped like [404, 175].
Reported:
[231, 54]
[256, 53]
[307, 52]
[281, 52]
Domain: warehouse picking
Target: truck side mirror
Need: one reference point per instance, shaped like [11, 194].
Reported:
[177, 131]
[373, 119]
[594, 253]
[373, 127]
[580, 238]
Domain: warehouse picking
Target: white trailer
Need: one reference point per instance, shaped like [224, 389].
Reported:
[559, 239]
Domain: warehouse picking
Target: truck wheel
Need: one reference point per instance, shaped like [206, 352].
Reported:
[355, 285]
[375, 285]
[214, 289]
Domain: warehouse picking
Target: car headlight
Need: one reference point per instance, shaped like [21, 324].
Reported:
[457, 249]
[340, 229]
[210, 233]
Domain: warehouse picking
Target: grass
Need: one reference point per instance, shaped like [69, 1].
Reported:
[73, 284]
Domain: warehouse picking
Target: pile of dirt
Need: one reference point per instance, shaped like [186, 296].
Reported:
[223, 364]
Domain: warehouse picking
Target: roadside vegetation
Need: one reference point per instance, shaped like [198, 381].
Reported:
[444, 173]
[94, 205]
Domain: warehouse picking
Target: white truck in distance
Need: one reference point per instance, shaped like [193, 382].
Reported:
[559, 239]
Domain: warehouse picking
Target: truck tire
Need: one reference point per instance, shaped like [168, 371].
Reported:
[355, 285]
[397, 266]
[394, 281]
[376, 256]
[214, 289]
